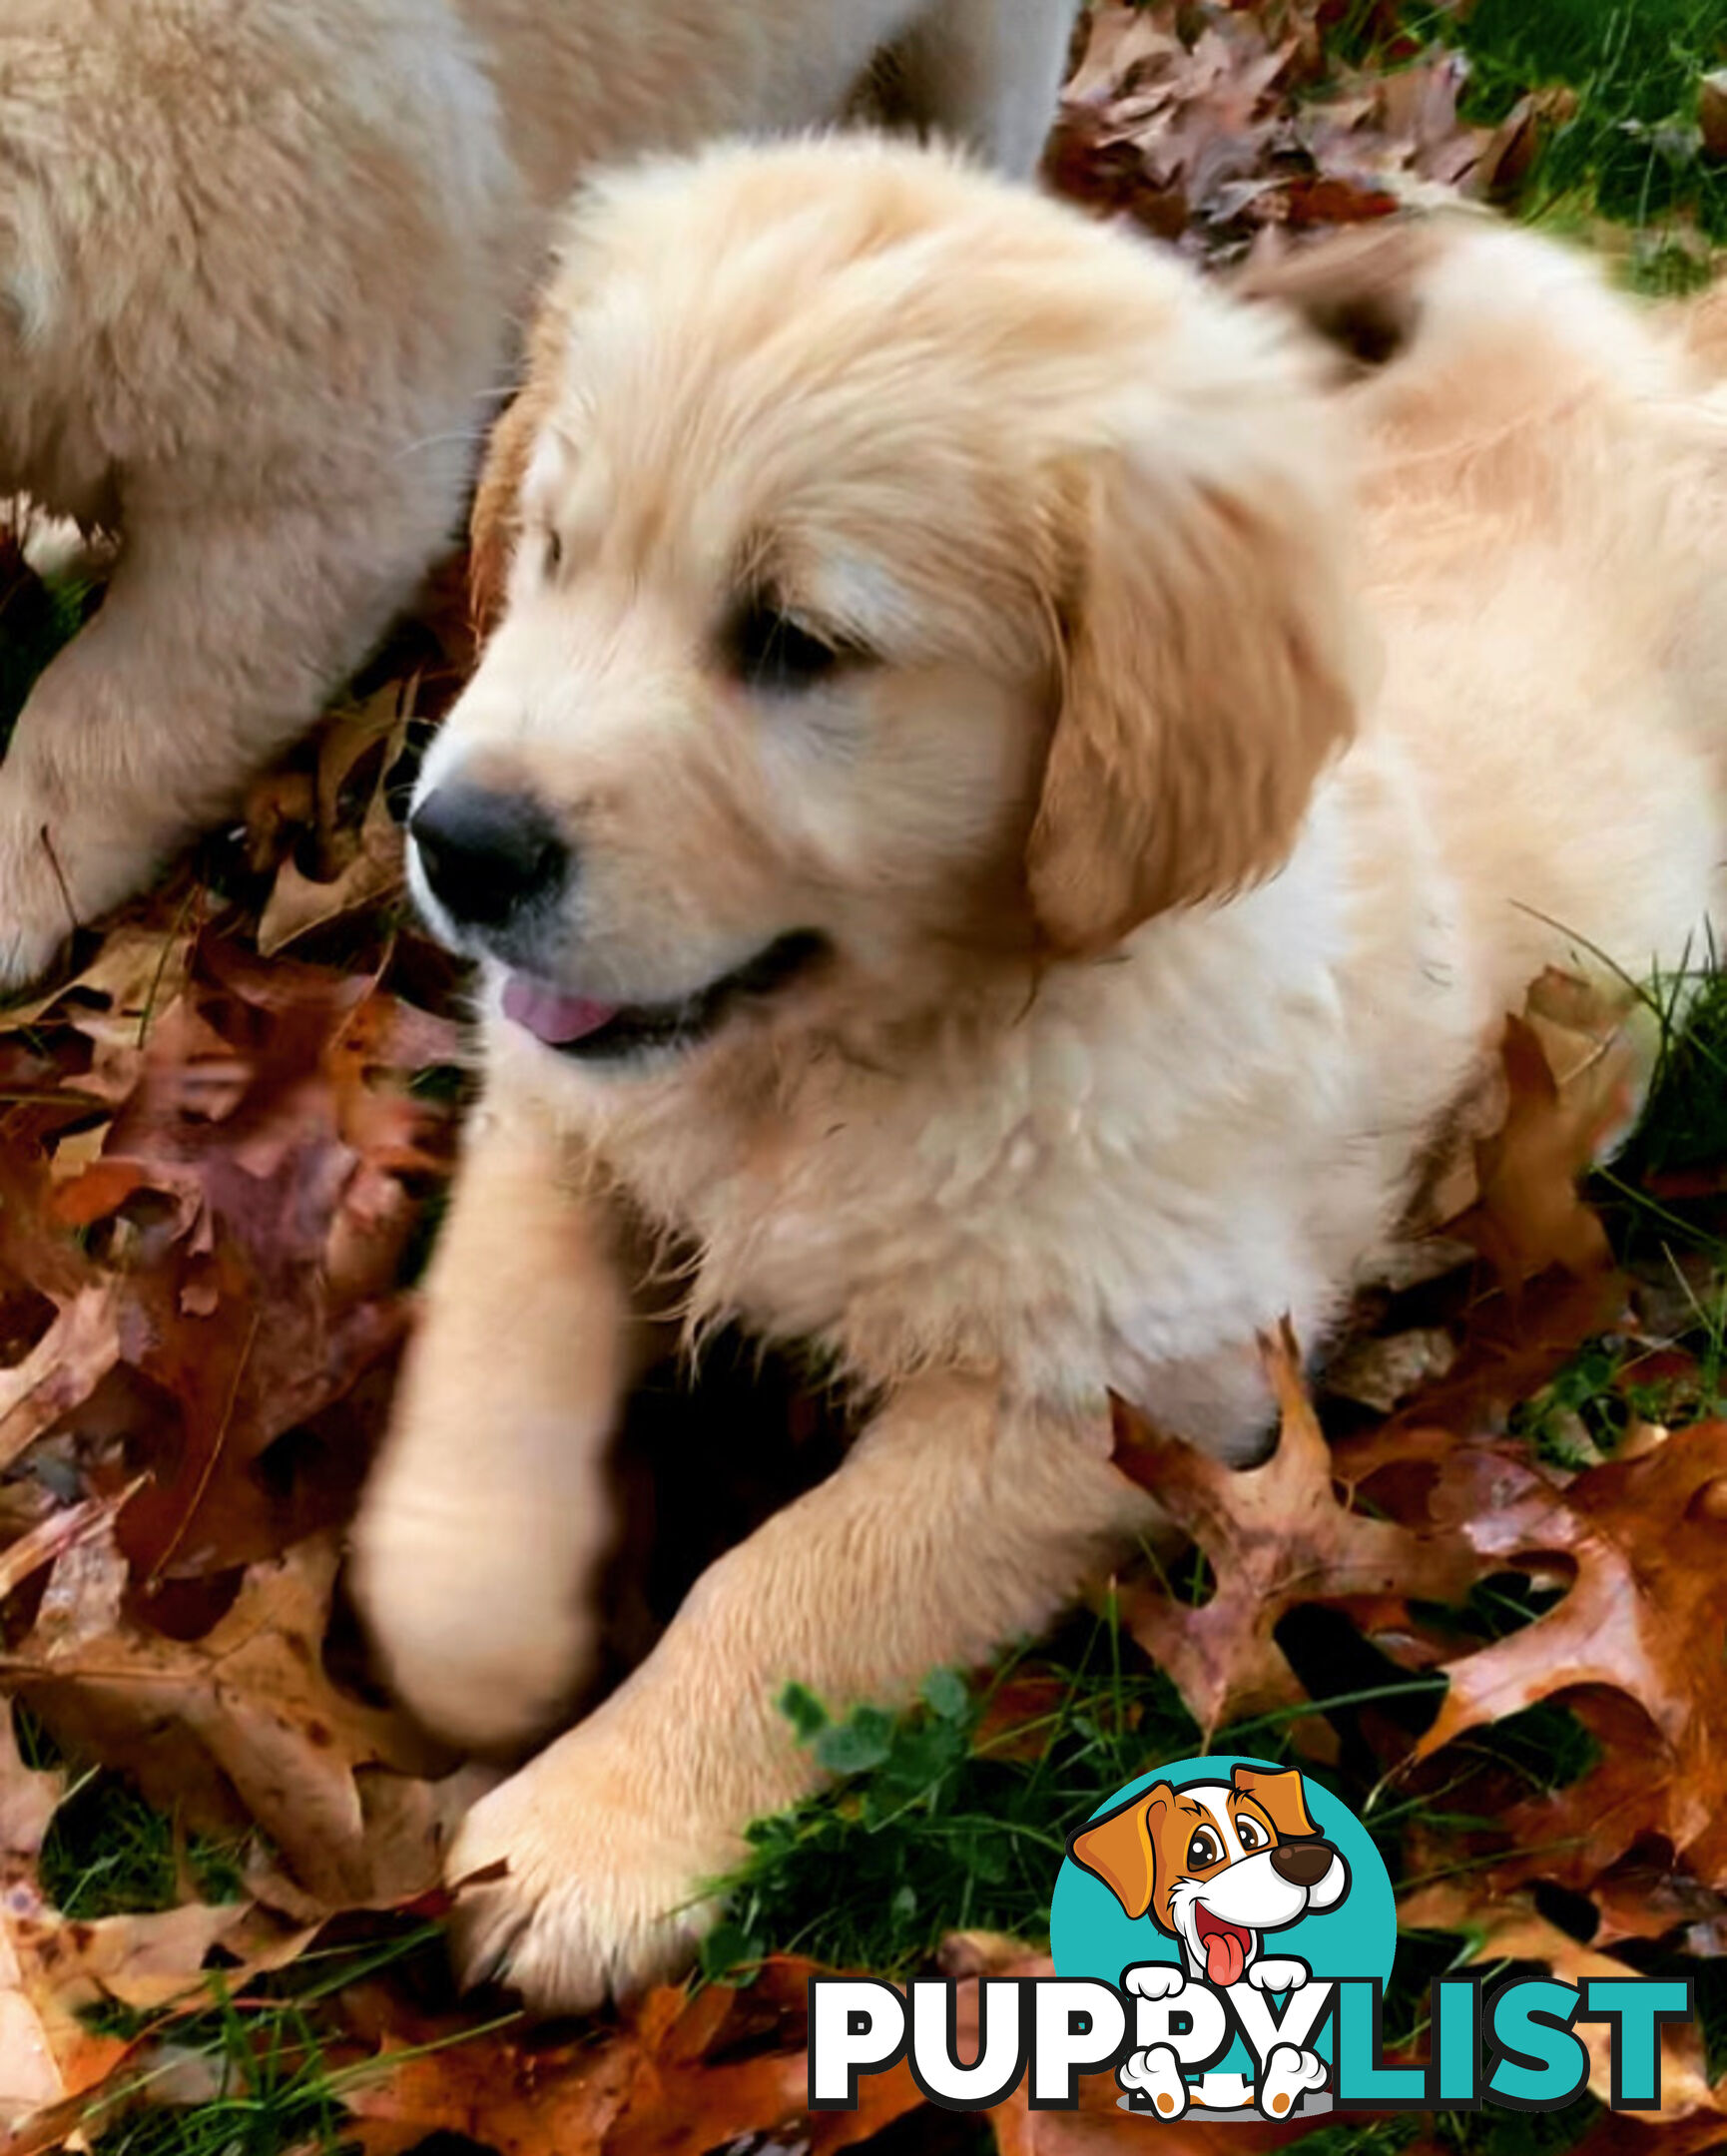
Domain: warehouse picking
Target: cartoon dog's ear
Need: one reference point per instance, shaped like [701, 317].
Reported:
[1280, 1797]
[1208, 658]
[1121, 1848]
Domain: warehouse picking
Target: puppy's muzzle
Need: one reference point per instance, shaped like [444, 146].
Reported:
[487, 858]
[1301, 1863]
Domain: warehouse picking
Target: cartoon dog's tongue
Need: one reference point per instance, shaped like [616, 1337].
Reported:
[556, 1019]
[1226, 1947]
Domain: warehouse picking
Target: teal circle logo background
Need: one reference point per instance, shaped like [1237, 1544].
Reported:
[1092, 1934]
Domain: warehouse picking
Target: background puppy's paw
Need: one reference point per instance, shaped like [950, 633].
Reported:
[66, 856]
[36, 914]
[588, 1877]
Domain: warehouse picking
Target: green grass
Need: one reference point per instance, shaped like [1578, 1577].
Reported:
[1632, 147]
[1622, 142]
[939, 1821]
[109, 1853]
[1670, 1227]
[269, 2061]
[266, 2057]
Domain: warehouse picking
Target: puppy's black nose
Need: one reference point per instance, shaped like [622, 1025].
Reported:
[1303, 1864]
[487, 856]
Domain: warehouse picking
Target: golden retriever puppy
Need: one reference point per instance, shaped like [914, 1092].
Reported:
[258, 260]
[997, 820]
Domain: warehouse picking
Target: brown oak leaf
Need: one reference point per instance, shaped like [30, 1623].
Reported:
[248, 1711]
[1276, 1536]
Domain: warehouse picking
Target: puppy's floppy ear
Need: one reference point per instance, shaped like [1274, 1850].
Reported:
[1280, 1797]
[495, 523]
[1207, 673]
[1121, 1848]
[1358, 289]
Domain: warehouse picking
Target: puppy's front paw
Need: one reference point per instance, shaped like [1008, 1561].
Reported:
[481, 1634]
[580, 1879]
[1278, 1974]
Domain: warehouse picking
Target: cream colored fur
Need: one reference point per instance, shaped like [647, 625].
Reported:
[1228, 757]
[259, 264]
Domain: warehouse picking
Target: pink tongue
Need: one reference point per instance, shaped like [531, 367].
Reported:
[1225, 1958]
[551, 1017]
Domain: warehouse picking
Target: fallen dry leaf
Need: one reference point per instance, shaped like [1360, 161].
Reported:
[150, 1961]
[1276, 1536]
[687, 2073]
[1646, 1541]
[29, 1798]
[1712, 113]
[1506, 1182]
[364, 865]
[1570, 1093]
[264, 1150]
[1220, 128]
[248, 1711]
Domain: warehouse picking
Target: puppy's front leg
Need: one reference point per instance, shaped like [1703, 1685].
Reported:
[487, 1513]
[952, 1526]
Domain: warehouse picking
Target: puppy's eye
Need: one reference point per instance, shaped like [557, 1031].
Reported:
[551, 552]
[771, 652]
[1253, 1835]
[1204, 1849]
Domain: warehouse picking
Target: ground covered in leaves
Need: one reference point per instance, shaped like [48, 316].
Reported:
[1476, 1589]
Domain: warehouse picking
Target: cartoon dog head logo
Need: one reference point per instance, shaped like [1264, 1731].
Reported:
[1217, 1865]
[1226, 1898]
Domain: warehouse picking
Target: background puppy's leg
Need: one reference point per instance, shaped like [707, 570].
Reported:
[987, 73]
[487, 1513]
[951, 1528]
[215, 644]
